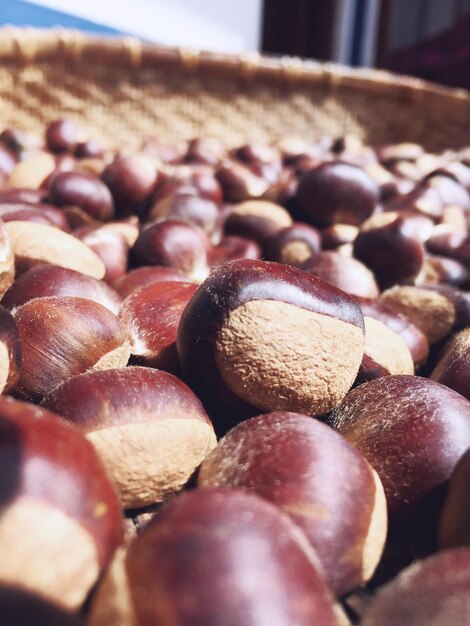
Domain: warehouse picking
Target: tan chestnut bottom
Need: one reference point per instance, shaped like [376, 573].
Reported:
[151, 460]
[430, 311]
[47, 552]
[295, 253]
[387, 348]
[114, 359]
[112, 603]
[278, 356]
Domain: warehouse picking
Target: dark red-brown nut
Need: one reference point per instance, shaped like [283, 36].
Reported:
[65, 336]
[143, 276]
[88, 150]
[31, 172]
[52, 280]
[87, 192]
[205, 151]
[431, 592]
[346, 273]
[412, 431]
[231, 248]
[272, 336]
[151, 316]
[7, 260]
[20, 608]
[212, 557]
[38, 244]
[239, 183]
[10, 351]
[414, 338]
[175, 244]
[436, 311]
[109, 245]
[453, 367]
[454, 524]
[257, 219]
[336, 192]
[262, 160]
[10, 211]
[445, 239]
[62, 136]
[294, 245]
[150, 429]
[386, 245]
[385, 353]
[288, 459]
[337, 235]
[441, 269]
[22, 195]
[187, 207]
[195, 180]
[131, 180]
[60, 519]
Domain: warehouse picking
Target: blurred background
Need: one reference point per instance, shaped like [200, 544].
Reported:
[424, 38]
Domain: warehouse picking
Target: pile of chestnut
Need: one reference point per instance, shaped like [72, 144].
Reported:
[235, 383]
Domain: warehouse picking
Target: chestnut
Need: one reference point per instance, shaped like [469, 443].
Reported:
[175, 244]
[454, 523]
[294, 245]
[385, 353]
[18, 194]
[231, 248]
[109, 245]
[187, 207]
[346, 273]
[272, 336]
[38, 244]
[88, 193]
[36, 212]
[337, 235]
[205, 151]
[194, 180]
[217, 556]
[143, 276]
[412, 431]
[53, 280]
[162, 151]
[151, 316]
[336, 192]
[31, 172]
[431, 592]
[257, 219]
[88, 150]
[387, 246]
[453, 366]
[239, 183]
[65, 336]
[20, 608]
[436, 311]
[10, 351]
[287, 458]
[131, 180]
[441, 269]
[59, 512]
[150, 429]
[7, 260]
[61, 136]
[414, 338]
[8, 160]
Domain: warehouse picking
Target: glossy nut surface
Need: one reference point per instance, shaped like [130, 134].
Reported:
[288, 459]
[216, 556]
[81, 190]
[431, 592]
[412, 431]
[336, 192]
[272, 336]
[150, 429]
[65, 336]
[10, 351]
[453, 367]
[60, 520]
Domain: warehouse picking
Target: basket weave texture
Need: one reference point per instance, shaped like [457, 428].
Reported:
[122, 91]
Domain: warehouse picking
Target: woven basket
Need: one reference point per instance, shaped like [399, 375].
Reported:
[122, 91]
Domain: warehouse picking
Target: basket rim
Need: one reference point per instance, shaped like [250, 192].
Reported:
[28, 46]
